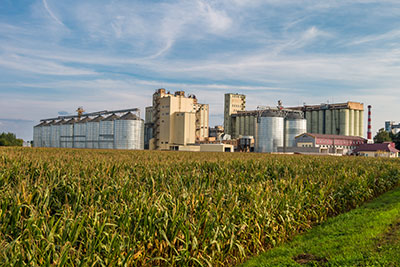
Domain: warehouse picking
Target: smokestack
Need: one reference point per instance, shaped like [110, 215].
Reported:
[369, 132]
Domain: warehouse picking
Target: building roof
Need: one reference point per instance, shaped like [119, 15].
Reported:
[385, 147]
[129, 116]
[333, 136]
[111, 117]
[97, 119]
[86, 119]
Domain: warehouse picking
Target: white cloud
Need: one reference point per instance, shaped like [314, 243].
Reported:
[51, 13]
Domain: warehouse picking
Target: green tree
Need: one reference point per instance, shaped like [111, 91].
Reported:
[9, 139]
[396, 140]
[382, 136]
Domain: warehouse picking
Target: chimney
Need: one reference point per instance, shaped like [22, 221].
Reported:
[369, 132]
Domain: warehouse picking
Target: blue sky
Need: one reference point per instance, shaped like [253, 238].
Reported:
[105, 54]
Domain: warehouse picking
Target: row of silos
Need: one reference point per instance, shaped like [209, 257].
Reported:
[278, 128]
[346, 121]
[112, 132]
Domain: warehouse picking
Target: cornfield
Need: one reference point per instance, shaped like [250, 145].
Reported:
[141, 208]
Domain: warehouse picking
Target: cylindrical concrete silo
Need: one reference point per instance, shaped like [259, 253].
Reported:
[93, 132]
[351, 122]
[270, 133]
[314, 121]
[328, 121]
[356, 123]
[129, 132]
[321, 119]
[106, 136]
[80, 133]
[309, 121]
[344, 122]
[67, 134]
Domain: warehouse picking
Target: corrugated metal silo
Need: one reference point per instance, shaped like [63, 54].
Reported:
[270, 133]
[129, 132]
[294, 127]
[80, 133]
[55, 133]
[106, 137]
[315, 121]
[93, 132]
[46, 134]
[67, 134]
[37, 134]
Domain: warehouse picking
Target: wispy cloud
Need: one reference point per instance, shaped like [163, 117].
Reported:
[46, 6]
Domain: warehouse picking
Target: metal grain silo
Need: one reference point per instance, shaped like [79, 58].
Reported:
[270, 132]
[294, 126]
[106, 136]
[93, 132]
[46, 134]
[55, 133]
[37, 134]
[129, 132]
[80, 133]
[67, 134]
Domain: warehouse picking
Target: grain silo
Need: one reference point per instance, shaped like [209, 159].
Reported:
[80, 133]
[106, 135]
[55, 133]
[270, 130]
[335, 119]
[67, 134]
[93, 132]
[295, 125]
[46, 134]
[129, 132]
[37, 135]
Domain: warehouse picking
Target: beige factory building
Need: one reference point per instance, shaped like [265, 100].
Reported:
[176, 120]
[234, 103]
[337, 119]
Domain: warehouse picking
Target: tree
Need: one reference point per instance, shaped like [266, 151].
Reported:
[396, 140]
[9, 139]
[382, 136]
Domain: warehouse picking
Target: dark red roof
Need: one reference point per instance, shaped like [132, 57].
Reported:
[333, 136]
[386, 147]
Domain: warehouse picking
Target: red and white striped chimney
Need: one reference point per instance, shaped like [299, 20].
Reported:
[369, 132]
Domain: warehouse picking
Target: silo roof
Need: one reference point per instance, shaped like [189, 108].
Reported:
[60, 122]
[97, 119]
[129, 116]
[71, 121]
[84, 120]
[41, 124]
[111, 118]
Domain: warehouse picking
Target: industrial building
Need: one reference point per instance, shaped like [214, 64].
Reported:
[337, 119]
[392, 127]
[384, 150]
[103, 129]
[233, 104]
[310, 143]
[175, 121]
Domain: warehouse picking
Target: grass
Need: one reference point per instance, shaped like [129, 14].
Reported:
[366, 236]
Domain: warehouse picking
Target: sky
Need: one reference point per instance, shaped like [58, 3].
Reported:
[109, 54]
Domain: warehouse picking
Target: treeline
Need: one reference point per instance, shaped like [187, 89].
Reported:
[383, 136]
[9, 139]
